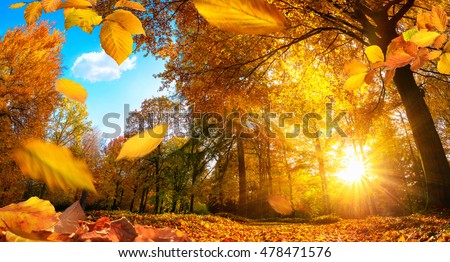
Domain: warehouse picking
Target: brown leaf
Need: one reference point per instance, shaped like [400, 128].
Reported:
[123, 230]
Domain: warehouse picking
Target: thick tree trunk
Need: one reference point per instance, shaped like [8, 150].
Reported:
[434, 161]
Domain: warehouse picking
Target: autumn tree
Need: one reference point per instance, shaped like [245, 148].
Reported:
[235, 61]
[29, 66]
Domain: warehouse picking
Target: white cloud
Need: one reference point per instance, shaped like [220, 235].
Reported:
[99, 67]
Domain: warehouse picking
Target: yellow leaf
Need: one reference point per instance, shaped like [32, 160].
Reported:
[443, 65]
[86, 19]
[128, 21]
[17, 5]
[355, 81]
[280, 204]
[374, 54]
[71, 89]
[434, 54]
[408, 34]
[54, 165]
[116, 41]
[67, 11]
[129, 4]
[424, 38]
[32, 215]
[242, 16]
[32, 12]
[355, 67]
[51, 5]
[142, 143]
[75, 4]
[11, 237]
[439, 18]
[440, 41]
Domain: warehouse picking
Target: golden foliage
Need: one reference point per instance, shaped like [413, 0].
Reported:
[130, 4]
[116, 41]
[86, 19]
[32, 12]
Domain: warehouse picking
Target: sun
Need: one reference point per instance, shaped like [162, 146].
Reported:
[354, 170]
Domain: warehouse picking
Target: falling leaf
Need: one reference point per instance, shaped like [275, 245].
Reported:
[439, 18]
[142, 143]
[116, 41]
[280, 204]
[374, 54]
[242, 16]
[443, 65]
[424, 38]
[17, 5]
[68, 220]
[32, 12]
[128, 21]
[51, 5]
[355, 67]
[129, 4]
[67, 11]
[86, 19]
[71, 89]
[54, 165]
[75, 4]
[31, 215]
[354, 82]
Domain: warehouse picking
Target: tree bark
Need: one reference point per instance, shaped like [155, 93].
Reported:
[242, 176]
[432, 154]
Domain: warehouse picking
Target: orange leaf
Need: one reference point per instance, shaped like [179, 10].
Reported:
[439, 18]
[398, 58]
[280, 204]
[32, 215]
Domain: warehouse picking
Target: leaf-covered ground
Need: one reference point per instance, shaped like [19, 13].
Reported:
[214, 228]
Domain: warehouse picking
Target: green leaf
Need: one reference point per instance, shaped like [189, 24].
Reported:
[408, 34]
[242, 16]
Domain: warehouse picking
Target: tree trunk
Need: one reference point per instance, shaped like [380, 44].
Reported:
[323, 177]
[242, 177]
[432, 154]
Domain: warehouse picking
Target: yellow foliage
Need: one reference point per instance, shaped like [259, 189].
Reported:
[444, 64]
[143, 143]
[242, 16]
[54, 165]
[17, 5]
[424, 38]
[75, 4]
[355, 81]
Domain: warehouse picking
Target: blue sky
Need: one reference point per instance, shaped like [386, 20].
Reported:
[109, 87]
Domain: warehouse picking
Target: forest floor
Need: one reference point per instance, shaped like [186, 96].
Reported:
[210, 228]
